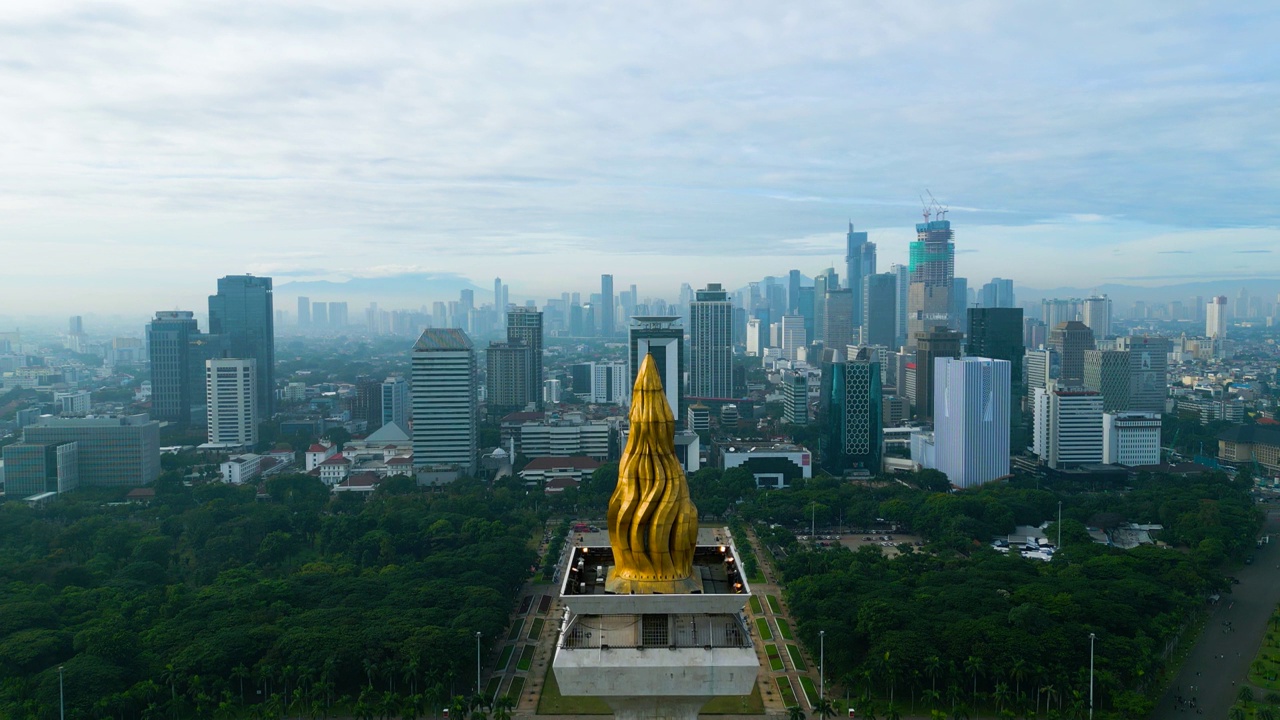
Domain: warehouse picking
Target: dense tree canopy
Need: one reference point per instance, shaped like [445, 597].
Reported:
[212, 597]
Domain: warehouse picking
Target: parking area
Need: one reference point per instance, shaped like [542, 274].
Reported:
[887, 541]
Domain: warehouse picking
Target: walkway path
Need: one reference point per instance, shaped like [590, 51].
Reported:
[1219, 662]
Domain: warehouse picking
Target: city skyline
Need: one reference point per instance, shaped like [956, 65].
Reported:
[437, 139]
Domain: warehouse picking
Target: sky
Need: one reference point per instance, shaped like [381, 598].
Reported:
[150, 147]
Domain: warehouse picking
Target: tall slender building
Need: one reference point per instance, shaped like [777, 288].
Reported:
[304, 312]
[177, 380]
[242, 312]
[854, 256]
[444, 401]
[1148, 371]
[499, 306]
[931, 272]
[996, 333]
[605, 320]
[959, 304]
[1215, 318]
[902, 279]
[662, 337]
[231, 400]
[971, 419]
[711, 344]
[1071, 339]
[793, 337]
[880, 310]
[997, 294]
[851, 400]
[1097, 315]
[938, 342]
[507, 377]
[793, 292]
[837, 319]
[524, 325]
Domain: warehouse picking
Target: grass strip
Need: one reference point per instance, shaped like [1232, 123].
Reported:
[756, 609]
[515, 630]
[526, 658]
[504, 658]
[784, 629]
[535, 630]
[788, 694]
[810, 690]
[763, 625]
[774, 605]
[796, 658]
[775, 660]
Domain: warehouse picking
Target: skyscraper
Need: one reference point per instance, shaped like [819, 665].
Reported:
[662, 337]
[795, 398]
[1148, 371]
[507, 377]
[931, 271]
[793, 292]
[938, 342]
[1107, 373]
[1215, 318]
[499, 306]
[242, 312]
[959, 304]
[231, 401]
[1097, 315]
[851, 400]
[902, 279]
[524, 325]
[1070, 339]
[177, 366]
[880, 310]
[793, 337]
[997, 294]
[444, 401]
[837, 319]
[855, 243]
[304, 312]
[996, 333]
[711, 344]
[823, 283]
[338, 317]
[971, 419]
[605, 320]
[1068, 424]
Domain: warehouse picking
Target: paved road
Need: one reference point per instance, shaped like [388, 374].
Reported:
[1219, 662]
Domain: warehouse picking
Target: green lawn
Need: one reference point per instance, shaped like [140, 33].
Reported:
[515, 630]
[491, 687]
[796, 658]
[517, 687]
[765, 633]
[755, 605]
[788, 695]
[810, 690]
[774, 605]
[526, 658]
[775, 660]
[1265, 668]
[504, 658]
[553, 703]
[784, 629]
[535, 630]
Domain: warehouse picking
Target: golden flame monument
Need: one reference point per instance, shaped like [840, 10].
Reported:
[653, 621]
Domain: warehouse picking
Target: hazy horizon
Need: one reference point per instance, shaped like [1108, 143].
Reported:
[151, 149]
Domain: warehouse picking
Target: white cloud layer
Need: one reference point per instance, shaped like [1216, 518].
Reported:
[150, 147]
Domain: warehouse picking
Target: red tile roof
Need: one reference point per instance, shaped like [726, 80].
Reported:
[317, 448]
[336, 460]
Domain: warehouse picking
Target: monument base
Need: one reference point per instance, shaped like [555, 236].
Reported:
[657, 708]
[689, 585]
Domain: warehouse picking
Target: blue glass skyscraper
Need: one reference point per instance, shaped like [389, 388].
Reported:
[242, 312]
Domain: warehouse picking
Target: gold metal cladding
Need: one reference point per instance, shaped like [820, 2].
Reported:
[653, 525]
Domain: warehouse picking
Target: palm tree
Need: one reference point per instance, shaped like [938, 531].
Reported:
[1245, 694]
[960, 712]
[795, 712]
[932, 666]
[370, 667]
[932, 697]
[240, 672]
[824, 708]
[1236, 713]
[891, 713]
[1272, 698]
[1018, 671]
[1001, 695]
[973, 666]
[1266, 713]
[502, 708]
[1047, 691]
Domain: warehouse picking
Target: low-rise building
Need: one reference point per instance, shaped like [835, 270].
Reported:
[240, 469]
[1131, 438]
[545, 472]
[1247, 444]
[774, 465]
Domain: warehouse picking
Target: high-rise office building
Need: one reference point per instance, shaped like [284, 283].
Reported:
[1215, 318]
[1068, 426]
[938, 342]
[1055, 311]
[795, 398]
[837, 319]
[711, 344]
[304, 312]
[1107, 373]
[605, 320]
[1034, 333]
[757, 337]
[75, 325]
[444, 400]
[499, 306]
[959, 304]
[793, 292]
[1096, 313]
[396, 405]
[996, 333]
[823, 283]
[852, 400]
[880, 310]
[231, 401]
[609, 383]
[793, 338]
[175, 348]
[111, 451]
[806, 311]
[524, 325]
[243, 313]
[662, 337]
[1071, 339]
[854, 257]
[902, 278]
[931, 273]
[1148, 371]
[971, 419]
[1041, 368]
[507, 377]
[997, 294]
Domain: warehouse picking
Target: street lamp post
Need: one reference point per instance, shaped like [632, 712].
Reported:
[1091, 636]
[477, 663]
[1059, 524]
[822, 663]
[62, 706]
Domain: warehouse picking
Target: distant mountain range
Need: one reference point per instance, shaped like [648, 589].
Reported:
[1127, 294]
